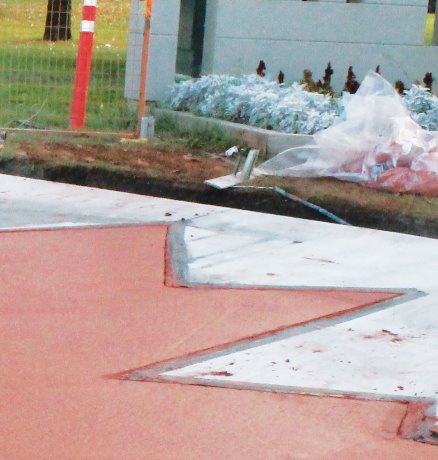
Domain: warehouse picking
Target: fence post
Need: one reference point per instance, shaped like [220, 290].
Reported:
[83, 65]
[141, 108]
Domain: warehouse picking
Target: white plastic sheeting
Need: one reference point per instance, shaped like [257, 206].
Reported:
[375, 142]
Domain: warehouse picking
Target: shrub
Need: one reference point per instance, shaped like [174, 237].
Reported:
[423, 107]
[256, 101]
[266, 104]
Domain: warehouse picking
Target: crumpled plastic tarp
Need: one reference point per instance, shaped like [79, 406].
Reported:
[375, 142]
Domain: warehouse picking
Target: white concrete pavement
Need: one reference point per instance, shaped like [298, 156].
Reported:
[392, 352]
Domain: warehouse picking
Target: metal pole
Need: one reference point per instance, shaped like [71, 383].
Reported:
[142, 105]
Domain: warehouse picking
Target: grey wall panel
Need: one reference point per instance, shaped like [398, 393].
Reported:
[406, 63]
[321, 21]
[163, 49]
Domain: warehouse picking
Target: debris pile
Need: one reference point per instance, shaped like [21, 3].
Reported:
[376, 142]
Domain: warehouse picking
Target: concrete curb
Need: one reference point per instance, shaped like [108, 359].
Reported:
[267, 141]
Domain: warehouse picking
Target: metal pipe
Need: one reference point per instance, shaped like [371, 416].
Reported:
[323, 211]
[288, 195]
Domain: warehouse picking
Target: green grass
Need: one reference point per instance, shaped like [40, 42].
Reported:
[23, 22]
[213, 139]
[36, 77]
[331, 193]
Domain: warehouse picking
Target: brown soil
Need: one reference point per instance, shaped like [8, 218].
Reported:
[155, 160]
[171, 170]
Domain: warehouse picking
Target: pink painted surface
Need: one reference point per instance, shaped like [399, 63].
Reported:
[80, 304]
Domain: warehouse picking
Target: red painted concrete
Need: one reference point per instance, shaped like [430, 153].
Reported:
[80, 304]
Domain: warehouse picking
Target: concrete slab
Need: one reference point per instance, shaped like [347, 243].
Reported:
[86, 307]
[30, 203]
[75, 313]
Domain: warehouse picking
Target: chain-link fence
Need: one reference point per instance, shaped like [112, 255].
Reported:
[38, 50]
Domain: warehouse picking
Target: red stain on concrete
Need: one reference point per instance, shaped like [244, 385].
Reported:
[80, 304]
[219, 374]
[386, 335]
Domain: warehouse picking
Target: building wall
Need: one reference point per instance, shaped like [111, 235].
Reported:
[163, 48]
[291, 35]
[377, 22]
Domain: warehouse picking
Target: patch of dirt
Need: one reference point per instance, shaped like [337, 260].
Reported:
[169, 164]
[172, 171]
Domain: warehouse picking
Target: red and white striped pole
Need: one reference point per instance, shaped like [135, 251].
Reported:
[83, 65]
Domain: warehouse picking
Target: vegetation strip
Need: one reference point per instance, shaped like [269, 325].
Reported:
[175, 165]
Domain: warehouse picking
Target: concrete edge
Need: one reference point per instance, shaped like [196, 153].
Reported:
[418, 424]
[82, 226]
[154, 370]
[267, 141]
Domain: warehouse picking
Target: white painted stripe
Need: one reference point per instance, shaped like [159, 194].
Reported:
[90, 2]
[87, 26]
